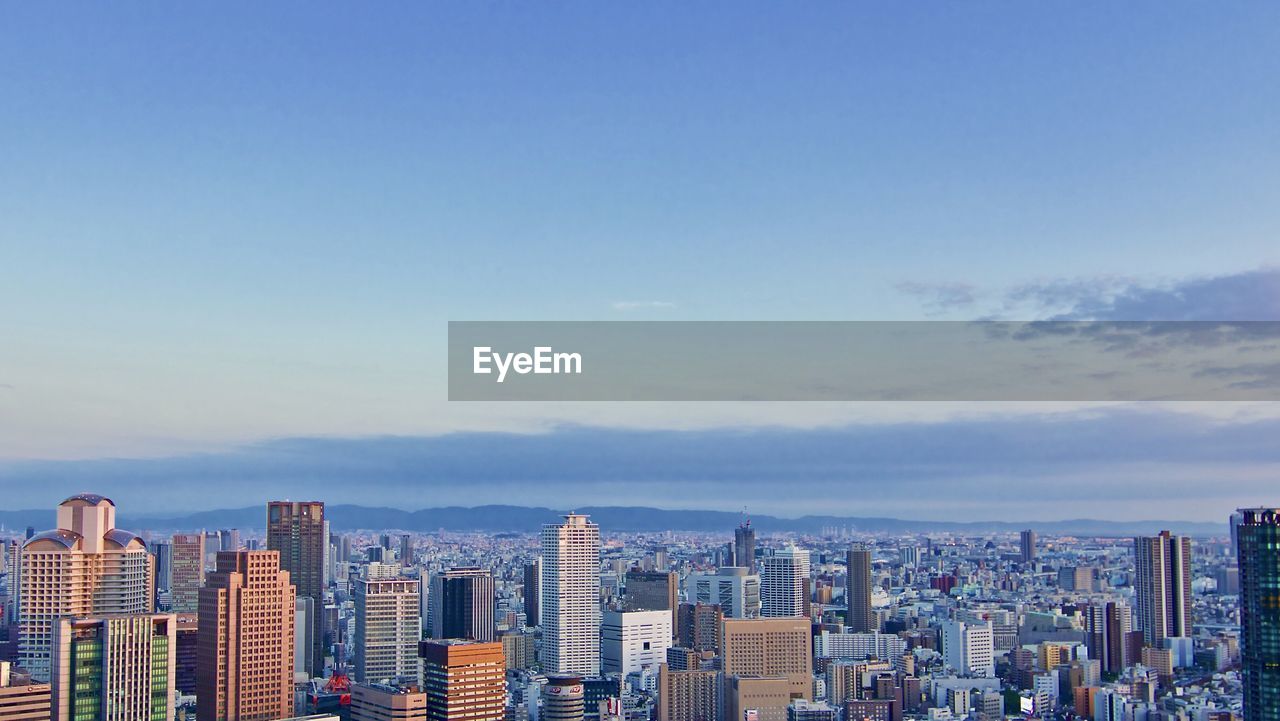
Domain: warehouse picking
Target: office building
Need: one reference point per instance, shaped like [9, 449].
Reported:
[784, 583]
[187, 575]
[388, 629]
[463, 680]
[530, 593]
[1027, 546]
[967, 648]
[654, 591]
[571, 597]
[1162, 587]
[563, 699]
[754, 698]
[1108, 629]
[25, 701]
[733, 588]
[84, 567]
[1258, 556]
[744, 547]
[162, 555]
[635, 641]
[114, 668]
[186, 637]
[229, 539]
[244, 646]
[691, 695]
[764, 647]
[460, 604]
[858, 590]
[377, 702]
[700, 626]
[406, 550]
[299, 533]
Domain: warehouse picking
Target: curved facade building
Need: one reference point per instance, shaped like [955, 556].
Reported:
[84, 567]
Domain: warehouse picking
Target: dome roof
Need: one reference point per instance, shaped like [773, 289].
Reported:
[91, 499]
[68, 539]
[123, 538]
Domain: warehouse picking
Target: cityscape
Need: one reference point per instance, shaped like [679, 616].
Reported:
[294, 619]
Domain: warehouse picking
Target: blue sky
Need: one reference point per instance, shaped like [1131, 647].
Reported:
[224, 224]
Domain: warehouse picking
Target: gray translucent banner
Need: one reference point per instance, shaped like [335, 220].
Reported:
[864, 361]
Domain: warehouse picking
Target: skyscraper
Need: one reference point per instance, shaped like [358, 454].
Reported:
[733, 588]
[1258, 536]
[532, 582]
[653, 591]
[460, 604]
[188, 572]
[84, 567]
[1027, 545]
[298, 531]
[162, 553]
[1162, 586]
[229, 539]
[464, 680]
[769, 647]
[244, 646]
[784, 583]
[388, 629]
[1107, 629]
[406, 550]
[744, 546]
[114, 668]
[858, 589]
[571, 597]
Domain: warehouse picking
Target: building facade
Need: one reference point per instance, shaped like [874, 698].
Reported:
[571, 597]
[388, 629]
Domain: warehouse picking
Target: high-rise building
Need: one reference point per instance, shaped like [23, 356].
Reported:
[187, 575]
[744, 546]
[229, 539]
[967, 648]
[1107, 630]
[653, 591]
[460, 604]
[764, 647]
[1027, 546]
[688, 695]
[162, 551]
[700, 626]
[388, 629]
[299, 532]
[186, 638]
[634, 641]
[378, 702]
[1258, 533]
[84, 567]
[406, 550]
[563, 699]
[532, 582]
[784, 583]
[464, 680]
[1162, 586]
[244, 647]
[114, 668]
[733, 588]
[858, 589]
[24, 702]
[571, 597]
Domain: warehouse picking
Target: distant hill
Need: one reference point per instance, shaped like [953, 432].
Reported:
[612, 518]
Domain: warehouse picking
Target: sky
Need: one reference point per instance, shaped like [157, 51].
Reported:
[224, 227]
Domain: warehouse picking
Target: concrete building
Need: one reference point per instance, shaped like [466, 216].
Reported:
[120, 666]
[688, 695]
[1162, 586]
[571, 597]
[244, 647]
[967, 648]
[375, 702]
[299, 533]
[26, 702]
[653, 591]
[85, 567]
[784, 583]
[733, 588]
[860, 618]
[769, 647]
[463, 680]
[388, 629]
[635, 641]
[187, 574]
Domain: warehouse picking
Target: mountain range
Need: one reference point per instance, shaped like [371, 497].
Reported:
[522, 519]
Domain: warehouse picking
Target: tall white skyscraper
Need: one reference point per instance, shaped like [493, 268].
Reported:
[967, 648]
[388, 628]
[784, 583]
[84, 567]
[571, 597]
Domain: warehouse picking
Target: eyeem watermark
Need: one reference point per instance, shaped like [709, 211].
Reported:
[543, 361]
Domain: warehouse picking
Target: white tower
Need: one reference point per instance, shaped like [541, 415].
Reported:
[571, 597]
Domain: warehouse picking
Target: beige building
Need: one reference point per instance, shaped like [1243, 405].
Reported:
[388, 628]
[244, 647]
[25, 702]
[756, 698]
[387, 703]
[187, 572]
[464, 680]
[688, 695]
[84, 567]
[769, 647]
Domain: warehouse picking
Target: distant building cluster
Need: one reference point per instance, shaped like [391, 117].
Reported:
[292, 619]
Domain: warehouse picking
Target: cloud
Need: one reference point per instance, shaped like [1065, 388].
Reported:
[1098, 464]
[940, 297]
[627, 306]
